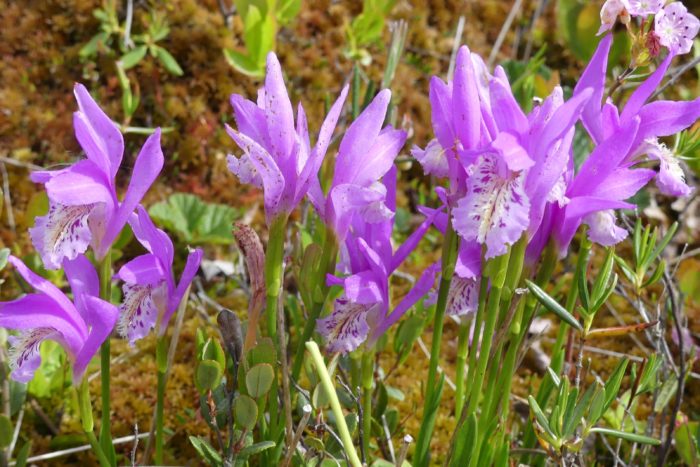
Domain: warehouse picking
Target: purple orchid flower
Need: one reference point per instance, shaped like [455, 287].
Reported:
[362, 314]
[366, 153]
[504, 166]
[150, 293]
[80, 326]
[277, 156]
[84, 208]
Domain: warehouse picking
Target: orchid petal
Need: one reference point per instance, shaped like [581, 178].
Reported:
[102, 316]
[465, 101]
[346, 328]
[593, 77]
[98, 135]
[147, 166]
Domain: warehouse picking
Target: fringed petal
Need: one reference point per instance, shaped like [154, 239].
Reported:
[463, 296]
[602, 228]
[346, 328]
[140, 309]
[495, 211]
[62, 233]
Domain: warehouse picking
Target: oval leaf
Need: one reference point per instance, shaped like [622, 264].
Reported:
[245, 411]
[258, 379]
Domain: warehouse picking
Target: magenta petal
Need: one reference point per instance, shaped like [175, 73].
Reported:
[82, 277]
[562, 121]
[468, 260]
[102, 317]
[98, 135]
[604, 159]
[148, 165]
[644, 91]
[506, 111]
[665, 118]
[250, 120]
[623, 183]
[602, 228]
[594, 77]
[308, 180]
[422, 286]
[144, 270]
[440, 96]
[359, 137]
[346, 200]
[278, 112]
[511, 152]
[40, 311]
[466, 109]
[346, 328]
[411, 242]
[363, 288]
[42, 285]
[151, 237]
[83, 183]
[194, 259]
[270, 173]
[377, 161]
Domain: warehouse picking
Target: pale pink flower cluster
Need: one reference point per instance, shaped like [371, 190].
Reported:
[674, 27]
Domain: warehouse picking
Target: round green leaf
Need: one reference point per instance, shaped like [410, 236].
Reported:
[208, 375]
[258, 379]
[245, 411]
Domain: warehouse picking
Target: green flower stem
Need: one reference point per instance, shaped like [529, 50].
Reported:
[326, 266]
[449, 258]
[162, 365]
[325, 378]
[86, 420]
[105, 275]
[558, 351]
[478, 323]
[274, 271]
[485, 350]
[462, 350]
[367, 379]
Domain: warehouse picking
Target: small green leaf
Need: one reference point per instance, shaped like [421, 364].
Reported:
[635, 438]
[553, 306]
[540, 417]
[612, 386]
[256, 448]
[667, 391]
[91, 48]
[205, 451]
[245, 411]
[664, 241]
[263, 352]
[208, 376]
[6, 431]
[168, 61]
[23, 455]
[258, 379]
[133, 57]
[243, 64]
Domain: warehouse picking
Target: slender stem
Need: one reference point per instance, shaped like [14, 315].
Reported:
[449, 257]
[367, 378]
[462, 350]
[486, 341]
[162, 365]
[274, 271]
[85, 409]
[325, 378]
[326, 266]
[105, 276]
